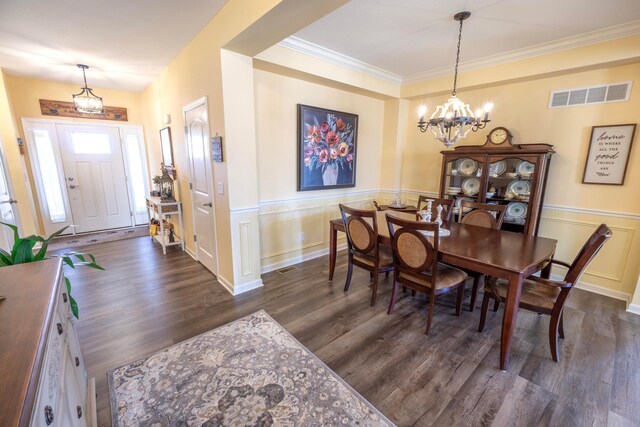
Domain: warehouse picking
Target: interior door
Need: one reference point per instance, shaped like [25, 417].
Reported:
[94, 176]
[8, 212]
[197, 134]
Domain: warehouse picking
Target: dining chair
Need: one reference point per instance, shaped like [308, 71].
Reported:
[480, 215]
[361, 227]
[416, 266]
[547, 296]
[447, 204]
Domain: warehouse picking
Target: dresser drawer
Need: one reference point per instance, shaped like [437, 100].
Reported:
[76, 358]
[46, 411]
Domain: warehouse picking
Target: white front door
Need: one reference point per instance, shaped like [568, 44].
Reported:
[197, 135]
[8, 212]
[94, 176]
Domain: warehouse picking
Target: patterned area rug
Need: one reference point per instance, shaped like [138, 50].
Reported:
[67, 242]
[250, 372]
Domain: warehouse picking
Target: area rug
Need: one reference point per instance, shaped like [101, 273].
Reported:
[78, 240]
[250, 372]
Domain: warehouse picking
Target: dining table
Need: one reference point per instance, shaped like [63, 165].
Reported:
[498, 253]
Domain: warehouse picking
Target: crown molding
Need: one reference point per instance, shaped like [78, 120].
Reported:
[598, 36]
[317, 51]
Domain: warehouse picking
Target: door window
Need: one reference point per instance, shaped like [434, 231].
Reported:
[90, 143]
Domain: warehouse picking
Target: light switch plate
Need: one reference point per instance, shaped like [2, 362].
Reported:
[220, 188]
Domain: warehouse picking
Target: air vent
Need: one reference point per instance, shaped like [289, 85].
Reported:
[615, 92]
[287, 269]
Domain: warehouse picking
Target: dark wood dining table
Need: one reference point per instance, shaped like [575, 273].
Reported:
[503, 254]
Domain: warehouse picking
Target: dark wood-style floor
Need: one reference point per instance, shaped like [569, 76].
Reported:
[145, 301]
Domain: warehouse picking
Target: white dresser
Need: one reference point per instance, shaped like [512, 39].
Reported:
[40, 360]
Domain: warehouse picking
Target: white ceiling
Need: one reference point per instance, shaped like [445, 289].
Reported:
[125, 42]
[128, 42]
[411, 38]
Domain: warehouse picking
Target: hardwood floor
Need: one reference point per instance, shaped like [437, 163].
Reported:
[144, 302]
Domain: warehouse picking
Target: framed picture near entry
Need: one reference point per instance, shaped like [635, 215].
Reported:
[608, 154]
[165, 147]
[327, 148]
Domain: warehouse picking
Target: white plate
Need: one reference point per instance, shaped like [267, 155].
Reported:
[497, 168]
[525, 169]
[458, 203]
[466, 166]
[516, 210]
[471, 186]
[519, 187]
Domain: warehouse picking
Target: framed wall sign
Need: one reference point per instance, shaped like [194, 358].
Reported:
[165, 147]
[327, 142]
[216, 148]
[608, 155]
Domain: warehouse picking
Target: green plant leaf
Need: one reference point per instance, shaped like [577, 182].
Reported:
[68, 283]
[5, 258]
[16, 237]
[74, 306]
[67, 260]
[94, 265]
[23, 251]
[43, 250]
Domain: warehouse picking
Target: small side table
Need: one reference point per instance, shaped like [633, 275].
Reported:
[156, 206]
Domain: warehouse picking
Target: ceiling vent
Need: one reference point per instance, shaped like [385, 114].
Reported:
[599, 94]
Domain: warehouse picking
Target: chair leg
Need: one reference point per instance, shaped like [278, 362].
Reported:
[483, 311]
[413, 292]
[371, 275]
[404, 289]
[386, 274]
[394, 296]
[430, 313]
[459, 299]
[561, 326]
[496, 306]
[474, 292]
[349, 272]
[554, 325]
[374, 293]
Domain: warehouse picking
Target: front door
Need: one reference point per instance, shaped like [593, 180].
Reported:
[7, 208]
[95, 177]
[197, 135]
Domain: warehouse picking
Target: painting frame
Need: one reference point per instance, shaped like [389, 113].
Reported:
[608, 155]
[166, 147]
[327, 148]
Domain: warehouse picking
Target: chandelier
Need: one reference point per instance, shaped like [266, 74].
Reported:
[454, 119]
[86, 101]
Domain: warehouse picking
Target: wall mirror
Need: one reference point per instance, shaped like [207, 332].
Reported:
[165, 146]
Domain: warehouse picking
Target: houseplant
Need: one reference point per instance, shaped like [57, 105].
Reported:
[22, 252]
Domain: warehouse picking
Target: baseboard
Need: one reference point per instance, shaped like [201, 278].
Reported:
[246, 287]
[190, 252]
[240, 289]
[600, 290]
[634, 308]
[298, 259]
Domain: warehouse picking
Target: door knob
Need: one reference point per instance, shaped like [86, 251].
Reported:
[74, 186]
[210, 204]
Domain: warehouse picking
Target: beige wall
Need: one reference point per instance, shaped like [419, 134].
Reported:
[294, 224]
[573, 209]
[14, 160]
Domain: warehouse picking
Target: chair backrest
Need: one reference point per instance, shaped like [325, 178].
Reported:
[413, 253]
[588, 251]
[361, 227]
[482, 214]
[447, 204]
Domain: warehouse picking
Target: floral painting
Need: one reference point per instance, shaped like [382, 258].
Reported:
[327, 142]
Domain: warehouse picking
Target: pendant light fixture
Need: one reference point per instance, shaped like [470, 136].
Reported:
[454, 119]
[86, 101]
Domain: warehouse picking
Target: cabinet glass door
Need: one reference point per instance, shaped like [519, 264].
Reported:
[511, 182]
[463, 180]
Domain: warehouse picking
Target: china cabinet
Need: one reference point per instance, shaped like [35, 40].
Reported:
[499, 172]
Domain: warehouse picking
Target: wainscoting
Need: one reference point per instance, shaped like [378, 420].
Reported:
[296, 230]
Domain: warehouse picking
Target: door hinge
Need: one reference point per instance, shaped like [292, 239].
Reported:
[190, 186]
[195, 238]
